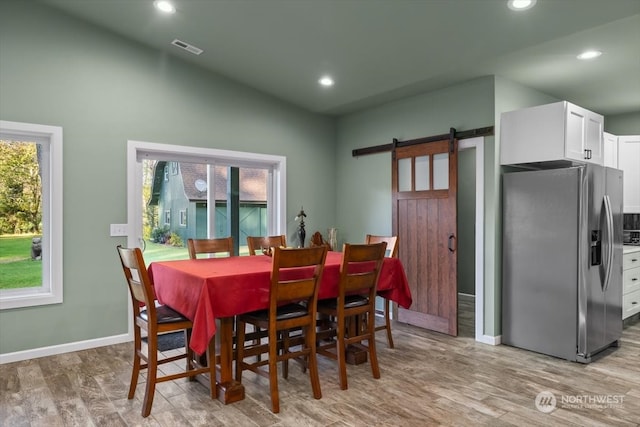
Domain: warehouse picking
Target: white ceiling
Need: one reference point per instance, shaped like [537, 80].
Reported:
[381, 50]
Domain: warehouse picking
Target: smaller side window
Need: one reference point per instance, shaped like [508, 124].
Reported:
[166, 173]
[183, 218]
[30, 215]
[167, 217]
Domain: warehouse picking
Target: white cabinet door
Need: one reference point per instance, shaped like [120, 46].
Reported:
[583, 135]
[629, 162]
[610, 150]
[575, 132]
[593, 143]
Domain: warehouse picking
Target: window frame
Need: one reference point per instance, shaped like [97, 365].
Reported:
[51, 291]
[167, 217]
[182, 221]
[276, 186]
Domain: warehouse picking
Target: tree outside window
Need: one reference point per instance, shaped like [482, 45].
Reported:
[20, 188]
[20, 214]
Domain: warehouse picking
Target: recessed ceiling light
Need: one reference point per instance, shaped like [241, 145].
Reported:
[589, 54]
[326, 81]
[164, 6]
[521, 4]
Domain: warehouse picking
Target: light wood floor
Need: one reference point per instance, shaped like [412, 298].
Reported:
[428, 379]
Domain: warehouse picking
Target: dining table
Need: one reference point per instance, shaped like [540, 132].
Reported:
[212, 291]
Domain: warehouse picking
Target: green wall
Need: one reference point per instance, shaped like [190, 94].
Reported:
[104, 90]
[623, 124]
[363, 199]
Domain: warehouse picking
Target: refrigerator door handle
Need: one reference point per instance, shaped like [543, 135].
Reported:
[609, 258]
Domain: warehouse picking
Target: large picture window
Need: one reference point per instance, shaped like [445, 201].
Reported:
[31, 214]
[201, 196]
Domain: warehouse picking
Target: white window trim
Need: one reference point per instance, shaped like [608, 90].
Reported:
[51, 292]
[182, 220]
[138, 150]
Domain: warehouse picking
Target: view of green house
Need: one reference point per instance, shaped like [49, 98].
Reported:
[179, 196]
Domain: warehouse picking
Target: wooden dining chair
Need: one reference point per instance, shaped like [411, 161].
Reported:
[359, 274]
[293, 294]
[156, 320]
[392, 251]
[256, 243]
[210, 246]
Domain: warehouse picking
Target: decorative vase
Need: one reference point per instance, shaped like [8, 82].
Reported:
[333, 238]
[301, 234]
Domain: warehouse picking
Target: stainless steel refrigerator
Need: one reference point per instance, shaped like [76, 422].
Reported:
[562, 260]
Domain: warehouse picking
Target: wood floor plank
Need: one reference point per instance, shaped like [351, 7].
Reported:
[428, 379]
[74, 413]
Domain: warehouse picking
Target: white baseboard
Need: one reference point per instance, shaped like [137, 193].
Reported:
[119, 339]
[63, 348]
[487, 339]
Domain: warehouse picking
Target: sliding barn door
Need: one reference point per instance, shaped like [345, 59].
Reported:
[424, 184]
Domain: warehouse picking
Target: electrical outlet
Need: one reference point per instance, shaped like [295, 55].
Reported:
[119, 230]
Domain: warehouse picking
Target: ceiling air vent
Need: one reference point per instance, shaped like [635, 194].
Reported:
[187, 47]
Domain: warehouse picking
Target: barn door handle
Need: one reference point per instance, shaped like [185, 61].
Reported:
[452, 243]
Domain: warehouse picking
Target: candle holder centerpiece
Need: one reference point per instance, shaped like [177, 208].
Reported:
[302, 234]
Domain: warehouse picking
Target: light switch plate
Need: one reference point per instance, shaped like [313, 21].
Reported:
[119, 230]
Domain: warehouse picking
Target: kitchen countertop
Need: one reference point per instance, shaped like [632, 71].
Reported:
[629, 248]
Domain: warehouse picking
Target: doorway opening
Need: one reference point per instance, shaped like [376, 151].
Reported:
[471, 238]
[466, 199]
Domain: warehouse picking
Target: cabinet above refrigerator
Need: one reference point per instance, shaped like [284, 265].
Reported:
[551, 132]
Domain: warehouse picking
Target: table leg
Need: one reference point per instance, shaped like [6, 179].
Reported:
[229, 390]
[356, 353]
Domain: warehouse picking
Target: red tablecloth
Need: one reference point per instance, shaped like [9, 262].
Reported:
[206, 289]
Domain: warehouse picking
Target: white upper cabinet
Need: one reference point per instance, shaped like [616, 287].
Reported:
[610, 150]
[629, 162]
[558, 131]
